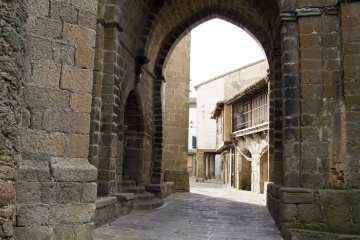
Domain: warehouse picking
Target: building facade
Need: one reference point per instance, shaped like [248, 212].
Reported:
[212, 139]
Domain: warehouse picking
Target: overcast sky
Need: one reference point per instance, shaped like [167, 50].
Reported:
[218, 47]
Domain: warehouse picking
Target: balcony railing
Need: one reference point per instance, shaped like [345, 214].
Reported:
[251, 111]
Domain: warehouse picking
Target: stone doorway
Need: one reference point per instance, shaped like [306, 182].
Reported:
[133, 141]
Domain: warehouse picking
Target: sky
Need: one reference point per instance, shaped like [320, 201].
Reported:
[218, 47]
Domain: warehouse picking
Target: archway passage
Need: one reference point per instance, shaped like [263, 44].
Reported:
[133, 165]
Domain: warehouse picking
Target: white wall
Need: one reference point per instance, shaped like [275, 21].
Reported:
[207, 96]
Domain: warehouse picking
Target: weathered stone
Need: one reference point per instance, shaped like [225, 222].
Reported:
[45, 74]
[296, 195]
[46, 98]
[37, 214]
[70, 122]
[89, 192]
[7, 193]
[28, 192]
[76, 79]
[41, 142]
[84, 232]
[81, 102]
[79, 35]
[71, 213]
[64, 232]
[78, 146]
[34, 232]
[73, 170]
[7, 173]
[84, 57]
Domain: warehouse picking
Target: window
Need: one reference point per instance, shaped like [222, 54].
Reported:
[250, 111]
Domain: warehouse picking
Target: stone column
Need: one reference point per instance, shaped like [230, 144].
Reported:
[200, 166]
[56, 185]
[212, 166]
[255, 172]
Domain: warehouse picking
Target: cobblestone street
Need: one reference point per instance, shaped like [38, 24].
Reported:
[210, 211]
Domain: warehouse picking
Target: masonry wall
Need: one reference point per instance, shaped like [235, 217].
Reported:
[55, 186]
[320, 52]
[175, 97]
[13, 15]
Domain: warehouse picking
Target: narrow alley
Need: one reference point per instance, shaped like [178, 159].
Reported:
[210, 210]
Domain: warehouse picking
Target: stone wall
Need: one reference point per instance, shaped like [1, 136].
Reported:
[322, 213]
[12, 45]
[55, 187]
[176, 115]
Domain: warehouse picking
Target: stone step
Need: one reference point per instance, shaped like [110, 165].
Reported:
[134, 189]
[149, 204]
[145, 196]
[128, 183]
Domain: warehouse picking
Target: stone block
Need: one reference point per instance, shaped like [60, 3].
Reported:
[63, 11]
[87, 19]
[81, 102]
[67, 192]
[46, 98]
[296, 195]
[40, 142]
[89, 192]
[31, 233]
[63, 53]
[45, 74]
[71, 213]
[310, 213]
[47, 27]
[28, 192]
[39, 49]
[33, 171]
[84, 232]
[73, 170]
[70, 122]
[64, 232]
[84, 57]
[7, 173]
[38, 8]
[7, 193]
[76, 79]
[37, 214]
[78, 146]
[79, 35]
[289, 212]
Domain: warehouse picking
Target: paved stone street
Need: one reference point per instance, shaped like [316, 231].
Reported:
[209, 211]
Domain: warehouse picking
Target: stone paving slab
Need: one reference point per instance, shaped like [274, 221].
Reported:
[210, 211]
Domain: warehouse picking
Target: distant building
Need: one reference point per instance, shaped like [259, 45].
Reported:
[216, 92]
[242, 137]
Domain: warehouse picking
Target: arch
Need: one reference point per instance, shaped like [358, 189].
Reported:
[174, 20]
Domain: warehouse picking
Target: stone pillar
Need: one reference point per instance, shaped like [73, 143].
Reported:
[56, 185]
[255, 172]
[194, 165]
[207, 167]
[175, 98]
[200, 167]
[320, 55]
[212, 166]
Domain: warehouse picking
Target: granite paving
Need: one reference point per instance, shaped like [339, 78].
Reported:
[211, 210]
